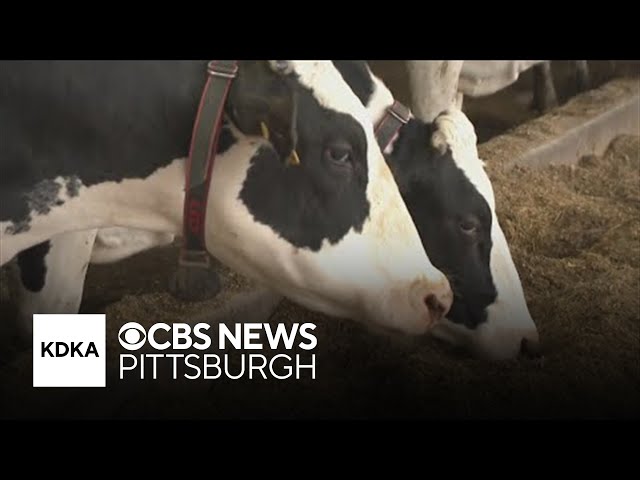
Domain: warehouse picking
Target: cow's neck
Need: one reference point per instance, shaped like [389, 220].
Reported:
[154, 203]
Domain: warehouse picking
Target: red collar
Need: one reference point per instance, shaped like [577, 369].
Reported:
[195, 279]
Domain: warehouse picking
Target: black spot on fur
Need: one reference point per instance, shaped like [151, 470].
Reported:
[43, 196]
[317, 199]
[40, 200]
[32, 265]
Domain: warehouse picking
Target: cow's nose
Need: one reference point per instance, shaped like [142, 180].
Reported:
[530, 348]
[439, 302]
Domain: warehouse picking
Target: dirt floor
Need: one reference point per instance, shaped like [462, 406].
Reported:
[574, 234]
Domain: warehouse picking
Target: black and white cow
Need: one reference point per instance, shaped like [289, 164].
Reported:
[449, 195]
[88, 145]
[437, 85]
[450, 198]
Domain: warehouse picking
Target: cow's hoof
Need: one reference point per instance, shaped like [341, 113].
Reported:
[194, 284]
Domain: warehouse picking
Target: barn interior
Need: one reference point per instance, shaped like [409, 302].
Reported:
[574, 232]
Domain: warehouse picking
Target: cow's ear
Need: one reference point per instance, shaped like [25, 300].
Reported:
[263, 101]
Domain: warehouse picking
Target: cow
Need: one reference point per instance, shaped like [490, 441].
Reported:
[449, 195]
[451, 201]
[90, 145]
[437, 85]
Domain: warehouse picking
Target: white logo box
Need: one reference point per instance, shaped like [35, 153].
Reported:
[67, 370]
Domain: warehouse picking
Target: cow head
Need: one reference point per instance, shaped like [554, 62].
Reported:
[451, 200]
[331, 233]
[460, 230]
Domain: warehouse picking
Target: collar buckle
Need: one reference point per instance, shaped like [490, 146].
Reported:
[215, 68]
[400, 112]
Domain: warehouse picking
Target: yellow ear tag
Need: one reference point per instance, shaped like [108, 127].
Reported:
[265, 131]
[293, 159]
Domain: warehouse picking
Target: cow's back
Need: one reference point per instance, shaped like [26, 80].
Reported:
[93, 121]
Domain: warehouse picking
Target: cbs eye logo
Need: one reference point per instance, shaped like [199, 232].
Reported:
[132, 336]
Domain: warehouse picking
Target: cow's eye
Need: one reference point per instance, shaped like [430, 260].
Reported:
[469, 226]
[338, 154]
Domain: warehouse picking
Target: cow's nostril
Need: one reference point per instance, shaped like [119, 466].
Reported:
[530, 348]
[437, 309]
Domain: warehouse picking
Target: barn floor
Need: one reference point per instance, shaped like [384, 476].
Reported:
[574, 233]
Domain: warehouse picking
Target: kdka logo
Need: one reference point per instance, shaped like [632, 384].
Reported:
[69, 350]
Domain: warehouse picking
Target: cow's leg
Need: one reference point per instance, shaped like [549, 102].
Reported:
[434, 86]
[583, 82]
[50, 276]
[544, 91]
